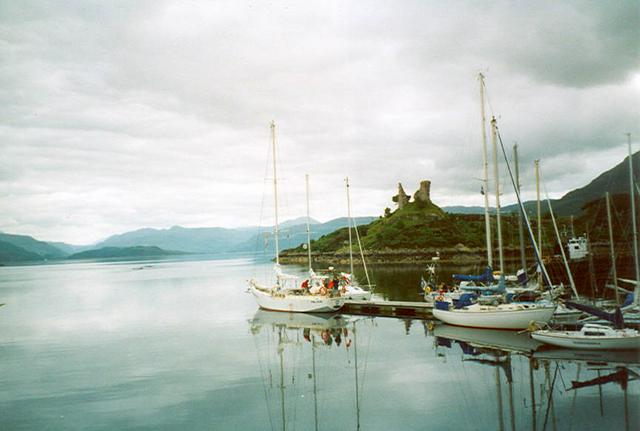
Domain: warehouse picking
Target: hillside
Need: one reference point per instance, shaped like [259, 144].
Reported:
[10, 253]
[41, 249]
[112, 252]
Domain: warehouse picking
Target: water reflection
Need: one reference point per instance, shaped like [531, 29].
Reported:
[550, 371]
[313, 378]
[292, 346]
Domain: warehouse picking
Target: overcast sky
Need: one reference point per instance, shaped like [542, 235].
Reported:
[119, 115]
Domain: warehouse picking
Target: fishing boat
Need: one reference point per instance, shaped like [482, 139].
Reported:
[286, 293]
[592, 336]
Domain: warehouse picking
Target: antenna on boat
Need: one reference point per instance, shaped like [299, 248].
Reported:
[275, 192]
[485, 176]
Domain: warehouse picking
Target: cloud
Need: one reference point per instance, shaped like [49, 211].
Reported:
[123, 115]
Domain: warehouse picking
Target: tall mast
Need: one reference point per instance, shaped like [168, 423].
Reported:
[306, 182]
[497, 186]
[349, 222]
[523, 257]
[611, 248]
[275, 190]
[539, 217]
[636, 292]
[485, 177]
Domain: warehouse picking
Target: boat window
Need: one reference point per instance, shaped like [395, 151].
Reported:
[594, 334]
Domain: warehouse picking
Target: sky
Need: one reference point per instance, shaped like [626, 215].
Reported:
[121, 115]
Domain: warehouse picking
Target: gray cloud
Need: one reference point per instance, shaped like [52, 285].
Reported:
[122, 115]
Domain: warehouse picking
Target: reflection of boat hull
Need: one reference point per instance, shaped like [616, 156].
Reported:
[488, 338]
[495, 317]
[593, 357]
[270, 300]
[299, 320]
[576, 340]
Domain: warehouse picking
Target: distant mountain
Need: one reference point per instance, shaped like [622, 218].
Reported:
[10, 253]
[69, 248]
[217, 239]
[195, 240]
[111, 252]
[40, 248]
[614, 181]
[293, 236]
[298, 221]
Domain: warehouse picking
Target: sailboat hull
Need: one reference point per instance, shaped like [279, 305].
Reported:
[574, 340]
[269, 300]
[494, 317]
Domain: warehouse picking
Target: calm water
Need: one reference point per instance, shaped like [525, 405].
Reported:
[180, 345]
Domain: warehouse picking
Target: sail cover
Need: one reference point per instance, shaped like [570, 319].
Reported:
[485, 277]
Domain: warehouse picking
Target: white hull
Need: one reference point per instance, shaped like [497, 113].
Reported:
[500, 317]
[576, 340]
[488, 338]
[305, 303]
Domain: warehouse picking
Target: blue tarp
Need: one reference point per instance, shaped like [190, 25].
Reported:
[485, 277]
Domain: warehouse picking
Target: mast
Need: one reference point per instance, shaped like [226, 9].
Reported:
[485, 177]
[524, 214]
[564, 256]
[611, 248]
[497, 185]
[315, 391]
[523, 258]
[349, 222]
[306, 181]
[636, 292]
[280, 349]
[275, 192]
[355, 351]
[539, 217]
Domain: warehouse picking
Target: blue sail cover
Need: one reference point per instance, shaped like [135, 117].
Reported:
[485, 277]
[616, 317]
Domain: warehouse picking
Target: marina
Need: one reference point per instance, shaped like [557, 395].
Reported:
[184, 343]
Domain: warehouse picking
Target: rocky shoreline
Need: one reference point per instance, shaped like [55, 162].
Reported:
[458, 255]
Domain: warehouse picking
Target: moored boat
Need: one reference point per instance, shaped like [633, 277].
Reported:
[591, 337]
[513, 316]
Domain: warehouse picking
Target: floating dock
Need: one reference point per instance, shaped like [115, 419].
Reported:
[388, 308]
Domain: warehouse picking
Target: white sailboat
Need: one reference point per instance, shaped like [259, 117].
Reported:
[591, 337]
[286, 294]
[354, 292]
[502, 316]
[513, 316]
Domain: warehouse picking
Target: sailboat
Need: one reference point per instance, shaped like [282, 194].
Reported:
[286, 294]
[503, 316]
[353, 291]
